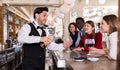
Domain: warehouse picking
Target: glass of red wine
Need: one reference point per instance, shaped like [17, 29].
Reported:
[89, 42]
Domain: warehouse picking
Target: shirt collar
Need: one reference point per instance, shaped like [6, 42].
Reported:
[82, 29]
[36, 24]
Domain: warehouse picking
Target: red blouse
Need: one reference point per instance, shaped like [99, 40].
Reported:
[98, 41]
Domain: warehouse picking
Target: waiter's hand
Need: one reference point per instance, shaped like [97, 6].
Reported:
[46, 40]
[67, 44]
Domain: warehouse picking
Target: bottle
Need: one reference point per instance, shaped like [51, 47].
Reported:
[3, 47]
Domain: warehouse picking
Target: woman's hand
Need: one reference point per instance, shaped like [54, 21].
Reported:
[92, 50]
[78, 49]
[95, 50]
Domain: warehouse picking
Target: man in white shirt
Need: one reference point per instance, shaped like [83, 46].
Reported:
[35, 40]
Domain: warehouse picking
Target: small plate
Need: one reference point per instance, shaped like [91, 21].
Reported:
[93, 59]
[78, 60]
[93, 55]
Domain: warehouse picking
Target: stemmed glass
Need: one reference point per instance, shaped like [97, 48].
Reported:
[68, 40]
[89, 42]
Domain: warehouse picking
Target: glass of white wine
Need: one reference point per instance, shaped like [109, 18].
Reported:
[68, 41]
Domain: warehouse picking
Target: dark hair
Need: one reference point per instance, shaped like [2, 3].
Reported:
[98, 25]
[111, 20]
[80, 18]
[80, 22]
[72, 23]
[40, 10]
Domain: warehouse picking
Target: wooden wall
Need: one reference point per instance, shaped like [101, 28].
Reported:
[12, 23]
[1, 24]
[15, 23]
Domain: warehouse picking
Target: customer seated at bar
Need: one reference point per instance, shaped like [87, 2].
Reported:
[90, 38]
[80, 22]
[73, 33]
[108, 26]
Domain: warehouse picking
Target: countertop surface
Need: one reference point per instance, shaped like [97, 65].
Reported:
[102, 64]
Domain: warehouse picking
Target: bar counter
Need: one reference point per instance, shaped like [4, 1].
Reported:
[102, 64]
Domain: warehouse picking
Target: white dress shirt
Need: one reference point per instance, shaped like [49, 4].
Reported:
[55, 47]
[23, 34]
[23, 37]
[111, 43]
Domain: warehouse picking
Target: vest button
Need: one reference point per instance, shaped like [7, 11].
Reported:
[40, 56]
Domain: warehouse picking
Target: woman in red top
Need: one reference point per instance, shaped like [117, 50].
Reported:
[89, 29]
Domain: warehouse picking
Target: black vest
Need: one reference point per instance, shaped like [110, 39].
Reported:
[33, 50]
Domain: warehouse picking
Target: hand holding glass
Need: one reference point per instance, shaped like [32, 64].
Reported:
[68, 40]
[67, 43]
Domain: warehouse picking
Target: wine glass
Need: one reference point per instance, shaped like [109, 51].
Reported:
[68, 41]
[89, 42]
[51, 37]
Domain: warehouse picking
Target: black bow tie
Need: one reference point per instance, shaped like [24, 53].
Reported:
[40, 27]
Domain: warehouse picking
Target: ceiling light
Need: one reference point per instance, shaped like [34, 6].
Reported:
[87, 2]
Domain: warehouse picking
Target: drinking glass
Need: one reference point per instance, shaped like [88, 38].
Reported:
[68, 40]
[89, 42]
[51, 37]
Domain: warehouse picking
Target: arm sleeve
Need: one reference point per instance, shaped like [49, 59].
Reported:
[113, 46]
[23, 35]
[78, 40]
[81, 42]
[98, 40]
[55, 47]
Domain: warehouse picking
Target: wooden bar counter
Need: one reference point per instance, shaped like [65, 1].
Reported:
[102, 64]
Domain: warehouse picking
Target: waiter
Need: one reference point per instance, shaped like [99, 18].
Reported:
[34, 39]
